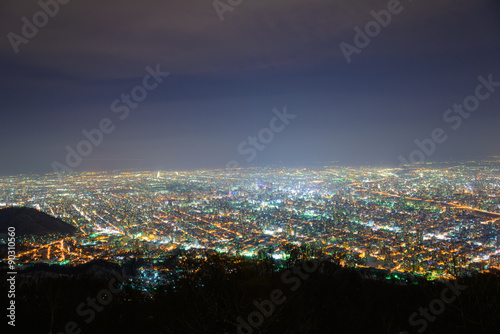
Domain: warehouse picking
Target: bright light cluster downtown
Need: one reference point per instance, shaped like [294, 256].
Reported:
[437, 220]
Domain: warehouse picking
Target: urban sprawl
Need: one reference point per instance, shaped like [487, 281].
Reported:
[437, 220]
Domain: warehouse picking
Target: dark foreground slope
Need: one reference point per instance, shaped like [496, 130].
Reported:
[222, 294]
[31, 221]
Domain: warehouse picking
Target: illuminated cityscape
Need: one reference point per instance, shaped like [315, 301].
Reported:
[437, 220]
[250, 167]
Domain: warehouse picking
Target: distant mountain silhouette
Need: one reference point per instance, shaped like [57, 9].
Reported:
[32, 221]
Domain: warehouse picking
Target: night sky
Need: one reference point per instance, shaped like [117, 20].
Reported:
[226, 78]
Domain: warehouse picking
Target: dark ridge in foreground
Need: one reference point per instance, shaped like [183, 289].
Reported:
[28, 221]
[224, 295]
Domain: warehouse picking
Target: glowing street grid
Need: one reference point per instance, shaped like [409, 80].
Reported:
[434, 219]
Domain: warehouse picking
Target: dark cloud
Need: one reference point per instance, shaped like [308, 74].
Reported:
[227, 76]
[111, 39]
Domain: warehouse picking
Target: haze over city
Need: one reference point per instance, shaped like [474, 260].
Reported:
[227, 76]
[250, 166]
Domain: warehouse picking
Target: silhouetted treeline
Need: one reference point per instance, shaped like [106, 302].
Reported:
[216, 294]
